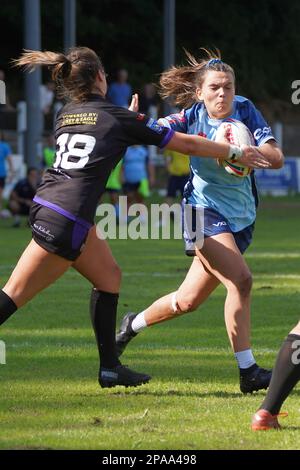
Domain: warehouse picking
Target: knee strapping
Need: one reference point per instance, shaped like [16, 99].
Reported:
[175, 306]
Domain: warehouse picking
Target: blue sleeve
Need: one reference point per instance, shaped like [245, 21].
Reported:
[254, 120]
[177, 122]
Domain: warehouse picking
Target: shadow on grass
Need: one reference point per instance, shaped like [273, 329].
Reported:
[290, 428]
[82, 364]
[179, 393]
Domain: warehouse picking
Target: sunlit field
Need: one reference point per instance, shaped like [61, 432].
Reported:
[49, 395]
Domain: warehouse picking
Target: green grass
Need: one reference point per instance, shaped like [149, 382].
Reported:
[49, 396]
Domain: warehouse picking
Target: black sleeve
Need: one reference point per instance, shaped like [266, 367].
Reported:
[140, 129]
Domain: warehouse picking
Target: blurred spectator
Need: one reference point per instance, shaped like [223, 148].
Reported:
[179, 172]
[136, 185]
[148, 99]
[21, 196]
[47, 93]
[49, 152]
[5, 155]
[119, 92]
[114, 186]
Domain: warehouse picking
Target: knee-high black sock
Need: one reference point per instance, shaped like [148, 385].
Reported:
[286, 374]
[7, 307]
[103, 309]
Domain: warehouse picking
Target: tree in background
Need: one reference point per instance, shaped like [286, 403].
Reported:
[259, 39]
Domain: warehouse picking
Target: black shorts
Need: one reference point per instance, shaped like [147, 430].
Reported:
[131, 187]
[2, 182]
[56, 233]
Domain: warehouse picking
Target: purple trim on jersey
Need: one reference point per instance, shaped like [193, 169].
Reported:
[167, 138]
[81, 226]
[62, 211]
[78, 236]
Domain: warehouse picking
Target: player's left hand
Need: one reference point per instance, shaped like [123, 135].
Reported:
[253, 158]
[134, 105]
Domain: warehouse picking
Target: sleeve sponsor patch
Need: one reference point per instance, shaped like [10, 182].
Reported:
[154, 126]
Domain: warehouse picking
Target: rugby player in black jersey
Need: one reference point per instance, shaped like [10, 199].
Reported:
[91, 135]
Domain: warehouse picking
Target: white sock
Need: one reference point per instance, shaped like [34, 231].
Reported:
[139, 322]
[245, 358]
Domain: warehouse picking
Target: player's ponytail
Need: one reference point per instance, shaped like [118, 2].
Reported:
[74, 73]
[180, 82]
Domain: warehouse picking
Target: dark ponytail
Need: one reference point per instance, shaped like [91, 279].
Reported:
[74, 73]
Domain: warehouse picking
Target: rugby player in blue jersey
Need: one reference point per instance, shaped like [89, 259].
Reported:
[205, 89]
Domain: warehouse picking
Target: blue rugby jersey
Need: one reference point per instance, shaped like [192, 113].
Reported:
[210, 185]
[134, 164]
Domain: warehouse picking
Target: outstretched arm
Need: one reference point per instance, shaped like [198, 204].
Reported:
[201, 147]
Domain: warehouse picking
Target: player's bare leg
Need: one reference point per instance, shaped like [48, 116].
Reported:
[195, 289]
[197, 286]
[35, 270]
[97, 264]
[222, 258]
[218, 261]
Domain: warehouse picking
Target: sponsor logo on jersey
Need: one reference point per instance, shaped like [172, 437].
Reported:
[154, 126]
[220, 224]
[44, 232]
[262, 132]
[76, 119]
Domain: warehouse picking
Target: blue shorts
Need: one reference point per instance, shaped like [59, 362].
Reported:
[209, 223]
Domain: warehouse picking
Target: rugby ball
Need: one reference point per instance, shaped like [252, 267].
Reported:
[236, 133]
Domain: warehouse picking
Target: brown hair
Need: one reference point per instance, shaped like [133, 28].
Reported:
[74, 73]
[180, 82]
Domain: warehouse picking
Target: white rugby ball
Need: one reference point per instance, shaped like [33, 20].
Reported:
[236, 133]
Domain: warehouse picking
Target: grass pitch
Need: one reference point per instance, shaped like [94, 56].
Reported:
[49, 396]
